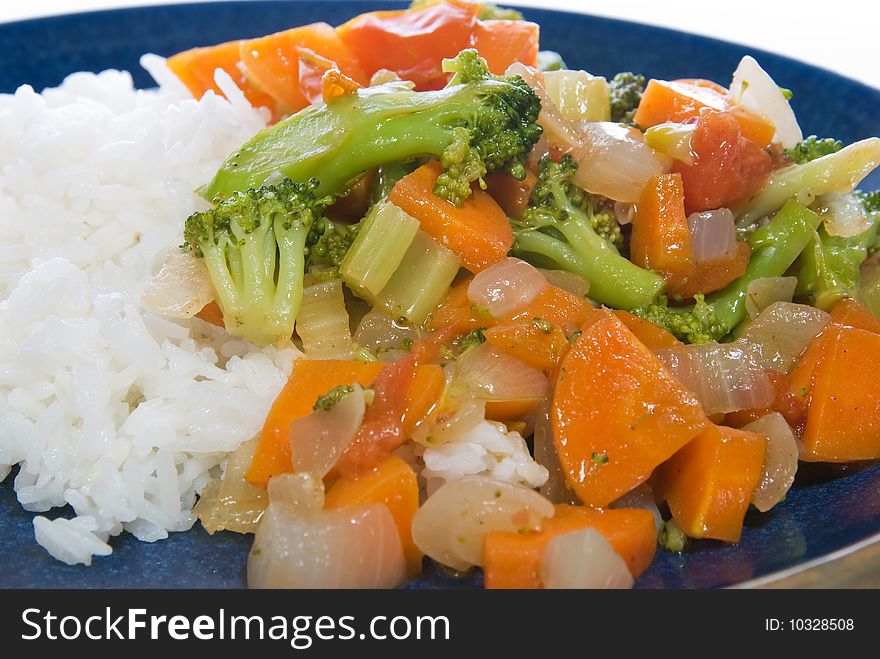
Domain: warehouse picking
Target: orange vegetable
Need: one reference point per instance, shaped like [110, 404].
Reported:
[308, 380]
[478, 232]
[853, 313]
[714, 275]
[681, 100]
[558, 306]
[836, 378]
[412, 42]
[537, 343]
[289, 65]
[617, 413]
[513, 560]
[212, 313]
[708, 484]
[196, 68]
[653, 336]
[512, 195]
[502, 43]
[392, 482]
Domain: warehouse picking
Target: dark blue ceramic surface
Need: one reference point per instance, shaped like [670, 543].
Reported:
[818, 517]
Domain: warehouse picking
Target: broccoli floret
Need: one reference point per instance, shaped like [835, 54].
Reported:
[870, 200]
[329, 242]
[482, 123]
[695, 325]
[491, 12]
[550, 60]
[672, 538]
[565, 228]
[328, 401]
[626, 92]
[811, 148]
[254, 245]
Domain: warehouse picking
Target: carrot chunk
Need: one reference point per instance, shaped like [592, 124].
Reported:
[503, 42]
[853, 313]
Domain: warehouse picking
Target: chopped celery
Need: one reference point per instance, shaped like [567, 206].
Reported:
[837, 172]
[579, 95]
[376, 253]
[673, 140]
[421, 281]
[322, 322]
[870, 290]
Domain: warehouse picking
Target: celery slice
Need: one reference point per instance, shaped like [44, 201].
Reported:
[378, 250]
[421, 281]
[579, 95]
[870, 290]
[673, 140]
[322, 322]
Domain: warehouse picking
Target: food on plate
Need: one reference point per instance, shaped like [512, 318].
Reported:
[409, 289]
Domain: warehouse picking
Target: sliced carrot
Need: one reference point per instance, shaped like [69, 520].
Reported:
[411, 42]
[653, 336]
[308, 380]
[538, 343]
[513, 560]
[512, 195]
[617, 413]
[503, 42]
[289, 65]
[557, 306]
[212, 313]
[836, 374]
[392, 482]
[708, 484]
[681, 100]
[478, 232]
[712, 276]
[196, 67]
[853, 313]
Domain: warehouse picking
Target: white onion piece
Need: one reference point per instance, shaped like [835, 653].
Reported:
[303, 492]
[673, 139]
[616, 162]
[641, 498]
[378, 333]
[232, 503]
[753, 88]
[491, 375]
[181, 288]
[353, 547]
[624, 212]
[763, 292]
[567, 281]
[723, 376]
[451, 424]
[713, 234]
[843, 215]
[780, 460]
[781, 333]
[540, 151]
[554, 488]
[317, 440]
[506, 286]
[583, 559]
[451, 525]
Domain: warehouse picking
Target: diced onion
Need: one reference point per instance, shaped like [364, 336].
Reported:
[506, 286]
[624, 212]
[452, 423]
[352, 547]
[378, 333]
[181, 288]
[843, 215]
[583, 559]
[763, 292]
[317, 440]
[616, 162]
[567, 281]
[723, 376]
[780, 460]
[753, 88]
[781, 333]
[642, 498]
[554, 488]
[452, 524]
[491, 375]
[713, 234]
[322, 322]
[302, 492]
[673, 140]
[232, 503]
[579, 95]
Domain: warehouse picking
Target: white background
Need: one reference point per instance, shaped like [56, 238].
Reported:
[841, 35]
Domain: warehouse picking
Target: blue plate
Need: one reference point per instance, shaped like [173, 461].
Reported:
[818, 517]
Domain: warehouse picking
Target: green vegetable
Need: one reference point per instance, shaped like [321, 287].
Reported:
[672, 538]
[254, 246]
[550, 60]
[328, 400]
[565, 228]
[543, 325]
[477, 124]
[328, 242]
[774, 248]
[492, 12]
[812, 148]
[472, 339]
[626, 92]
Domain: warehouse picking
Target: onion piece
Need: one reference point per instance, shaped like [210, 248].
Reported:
[713, 234]
[583, 559]
[753, 88]
[320, 438]
[554, 488]
[642, 498]
[780, 460]
[615, 161]
[578, 95]
[842, 214]
[181, 288]
[506, 286]
[723, 376]
[781, 333]
[451, 424]
[378, 333]
[297, 546]
[567, 281]
[673, 140]
[491, 375]
[624, 212]
[232, 503]
[452, 524]
[763, 292]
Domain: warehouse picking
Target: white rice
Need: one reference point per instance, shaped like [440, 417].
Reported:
[119, 413]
